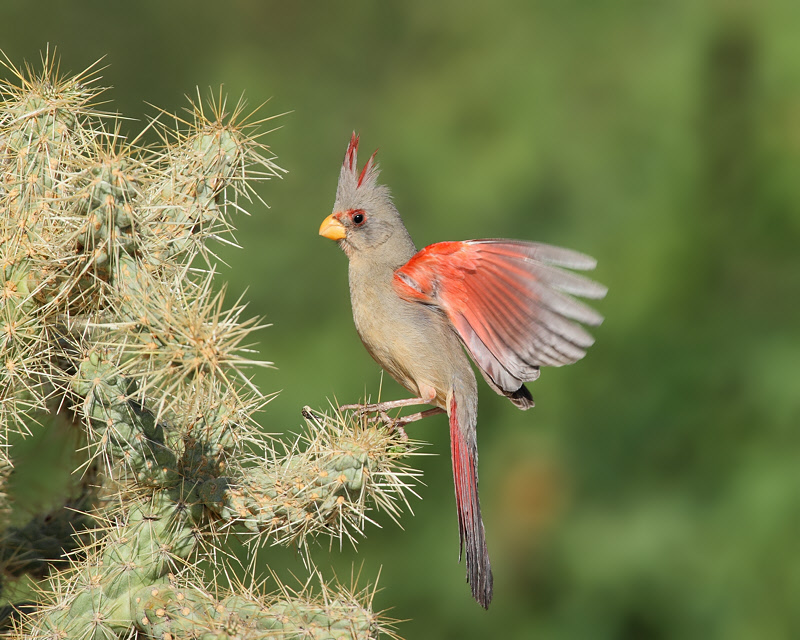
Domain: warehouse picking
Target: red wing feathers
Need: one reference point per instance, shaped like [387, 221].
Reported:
[511, 307]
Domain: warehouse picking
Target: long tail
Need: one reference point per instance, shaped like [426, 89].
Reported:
[464, 451]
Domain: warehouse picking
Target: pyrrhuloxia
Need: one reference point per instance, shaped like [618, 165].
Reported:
[504, 300]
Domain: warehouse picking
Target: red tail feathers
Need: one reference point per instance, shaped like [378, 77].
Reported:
[470, 524]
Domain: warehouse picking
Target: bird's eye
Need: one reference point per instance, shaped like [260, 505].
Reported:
[358, 218]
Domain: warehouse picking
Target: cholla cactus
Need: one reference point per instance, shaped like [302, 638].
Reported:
[108, 315]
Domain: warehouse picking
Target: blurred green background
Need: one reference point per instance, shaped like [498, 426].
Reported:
[654, 491]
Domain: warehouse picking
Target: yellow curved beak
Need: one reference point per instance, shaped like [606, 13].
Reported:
[332, 228]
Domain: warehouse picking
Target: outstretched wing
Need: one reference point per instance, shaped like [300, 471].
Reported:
[509, 301]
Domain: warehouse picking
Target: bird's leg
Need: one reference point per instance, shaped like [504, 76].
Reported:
[382, 406]
[397, 424]
[417, 416]
[394, 424]
[427, 396]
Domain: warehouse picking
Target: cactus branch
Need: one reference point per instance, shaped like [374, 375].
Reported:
[110, 313]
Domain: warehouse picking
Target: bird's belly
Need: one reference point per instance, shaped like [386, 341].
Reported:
[415, 346]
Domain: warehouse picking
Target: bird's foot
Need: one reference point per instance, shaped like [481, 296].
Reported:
[381, 409]
[380, 414]
[393, 425]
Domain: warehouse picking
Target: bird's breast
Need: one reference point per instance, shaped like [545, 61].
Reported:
[414, 343]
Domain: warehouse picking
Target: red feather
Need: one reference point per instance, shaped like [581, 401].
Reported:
[507, 302]
[350, 154]
[470, 524]
[368, 168]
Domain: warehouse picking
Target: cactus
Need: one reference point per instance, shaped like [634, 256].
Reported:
[110, 321]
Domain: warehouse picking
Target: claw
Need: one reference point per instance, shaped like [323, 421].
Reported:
[380, 409]
[395, 425]
[397, 428]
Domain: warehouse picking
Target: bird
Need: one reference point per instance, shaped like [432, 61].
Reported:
[508, 303]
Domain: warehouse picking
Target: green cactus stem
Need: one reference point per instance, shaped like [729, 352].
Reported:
[109, 313]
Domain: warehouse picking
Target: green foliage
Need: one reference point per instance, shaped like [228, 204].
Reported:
[111, 322]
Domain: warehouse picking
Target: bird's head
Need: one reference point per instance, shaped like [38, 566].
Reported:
[364, 217]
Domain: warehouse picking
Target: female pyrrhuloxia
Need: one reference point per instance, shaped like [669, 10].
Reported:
[504, 300]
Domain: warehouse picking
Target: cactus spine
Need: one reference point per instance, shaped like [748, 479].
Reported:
[108, 317]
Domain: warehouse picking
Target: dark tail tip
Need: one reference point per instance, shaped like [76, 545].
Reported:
[479, 568]
[483, 587]
[473, 538]
[521, 398]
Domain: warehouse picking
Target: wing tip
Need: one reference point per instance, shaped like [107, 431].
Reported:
[543, 252]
